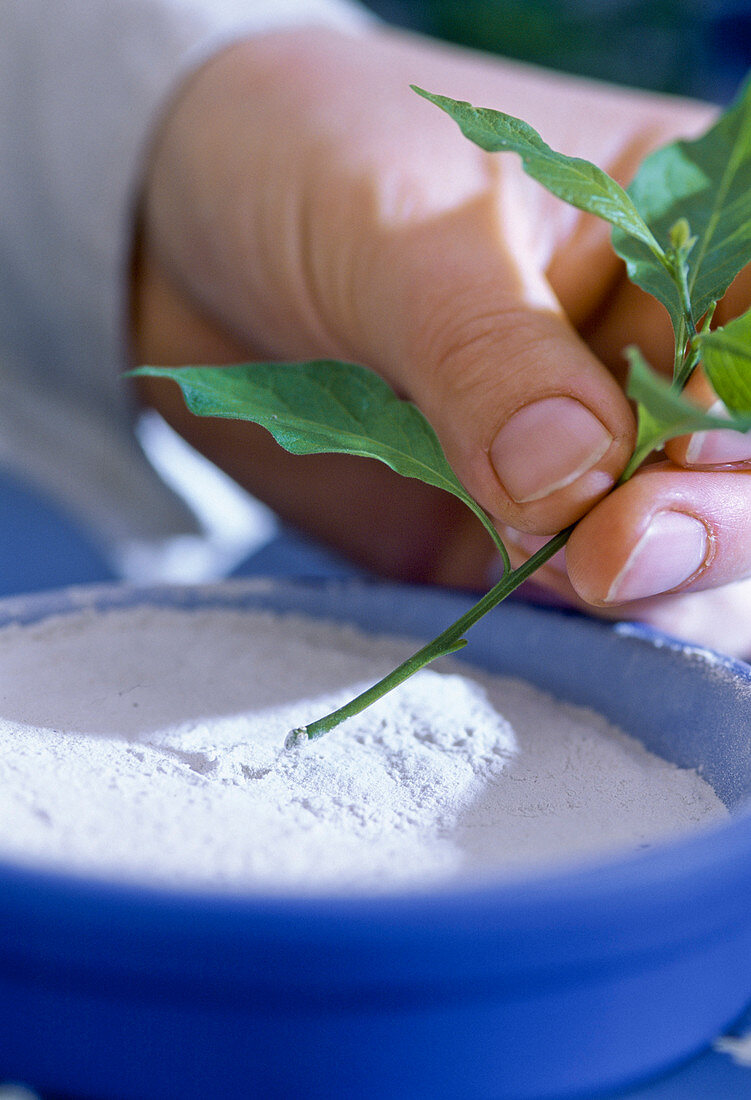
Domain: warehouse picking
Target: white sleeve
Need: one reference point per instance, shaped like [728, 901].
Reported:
[82, 85]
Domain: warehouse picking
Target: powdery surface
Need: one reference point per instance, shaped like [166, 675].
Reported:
[146, 745]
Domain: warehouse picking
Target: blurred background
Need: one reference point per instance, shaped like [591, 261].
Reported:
[690, 47]
[686, 47]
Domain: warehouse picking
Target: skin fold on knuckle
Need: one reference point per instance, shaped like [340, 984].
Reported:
[478, 370]
[466, 372]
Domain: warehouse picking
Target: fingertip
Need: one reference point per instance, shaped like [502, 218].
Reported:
[534, 425]
[655, 535]
[719, 447]
[707, 449]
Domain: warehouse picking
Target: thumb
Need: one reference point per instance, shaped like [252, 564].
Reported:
[533, 424]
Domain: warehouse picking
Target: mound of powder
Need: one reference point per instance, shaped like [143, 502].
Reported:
[146, 745]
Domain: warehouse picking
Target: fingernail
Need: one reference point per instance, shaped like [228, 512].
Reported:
[720, 446]
[547, 445]
[671, 550]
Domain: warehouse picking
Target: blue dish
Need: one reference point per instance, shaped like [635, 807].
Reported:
[555, 986]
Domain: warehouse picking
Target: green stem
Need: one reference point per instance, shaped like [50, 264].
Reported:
[452, 638]
[679, 353]
[692, 356]
[449, 641]
[636, 460]
[690, 362]
[687, 353]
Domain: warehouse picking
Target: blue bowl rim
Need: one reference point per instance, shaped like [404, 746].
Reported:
[631, 907]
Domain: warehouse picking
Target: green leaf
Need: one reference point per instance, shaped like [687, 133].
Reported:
[707, 184]
[325, 406]
[726, 355]
[664, 413]
[572, 179]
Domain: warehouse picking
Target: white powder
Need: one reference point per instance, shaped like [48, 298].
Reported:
[146, 745]
[737, 1046]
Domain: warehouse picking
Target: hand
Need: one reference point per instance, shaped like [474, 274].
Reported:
[301, 201]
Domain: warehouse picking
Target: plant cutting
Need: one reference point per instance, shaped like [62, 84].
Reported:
[683, 229]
